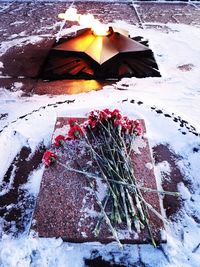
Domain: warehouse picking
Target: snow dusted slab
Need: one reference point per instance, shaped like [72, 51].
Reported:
[66, 206]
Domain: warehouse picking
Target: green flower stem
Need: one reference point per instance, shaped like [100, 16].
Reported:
[131, 206]
[149, 206]
[131, 186]
[111, 135]
[109, 149]
[150, 232]
[122, 192]
[128, 221]
[98, 225]
[97, 162]
[114, 232]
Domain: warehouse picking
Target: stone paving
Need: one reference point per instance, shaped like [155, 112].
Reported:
[24, 19]
[169, 13]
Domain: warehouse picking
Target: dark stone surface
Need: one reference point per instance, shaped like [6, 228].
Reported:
[26, 60]
[64, 200]
[169, 13]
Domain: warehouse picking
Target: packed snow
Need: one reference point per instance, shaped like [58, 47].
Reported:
[176, 93]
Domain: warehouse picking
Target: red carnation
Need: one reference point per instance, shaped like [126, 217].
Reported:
[72, 122]
[59, 140]
[136, 128]
[91, 123]
[116, 114]
[137, 123]
[75, 132]
[138, 131]
[106, 113]
[92, 119]
[102, 116]
[93, 115]
[131, 125]
[118, 122]
[49, 158]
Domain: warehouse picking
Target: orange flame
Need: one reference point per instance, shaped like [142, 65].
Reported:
[85, 20]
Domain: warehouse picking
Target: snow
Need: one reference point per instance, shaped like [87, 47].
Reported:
[185, 194]
[176, 93]
[149, 165]
[10, 144]
[33, 184]
[164, 168]
[4, 46]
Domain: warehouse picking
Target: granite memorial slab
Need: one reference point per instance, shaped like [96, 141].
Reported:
[66, 206]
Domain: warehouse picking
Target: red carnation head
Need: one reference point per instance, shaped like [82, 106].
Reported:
[106, 114]
[72, 122]
[91, 123]
[139, 131]
[118, 122]
[59, 140]
[49, 158]
[75, 132]
[116, 114]
[92, 119]
[135, 127]
[93, 115]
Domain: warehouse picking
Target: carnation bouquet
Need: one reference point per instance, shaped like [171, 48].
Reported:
[109, 138]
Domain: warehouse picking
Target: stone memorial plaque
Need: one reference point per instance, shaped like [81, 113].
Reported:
[66, 206]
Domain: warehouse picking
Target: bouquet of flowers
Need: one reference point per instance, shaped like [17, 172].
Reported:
[109, 137]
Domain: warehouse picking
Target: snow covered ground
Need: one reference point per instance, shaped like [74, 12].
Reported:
[176, 93]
